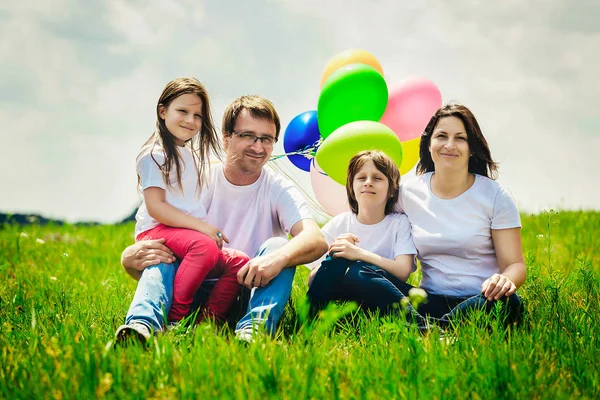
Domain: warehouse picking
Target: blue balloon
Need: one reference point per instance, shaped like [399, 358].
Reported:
[301, 132]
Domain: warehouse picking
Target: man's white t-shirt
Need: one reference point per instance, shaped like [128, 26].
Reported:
[186, 200]
[251, 214]
[454, 237]
[388, 238]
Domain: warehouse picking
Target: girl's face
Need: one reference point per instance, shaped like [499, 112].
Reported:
[370, 187]
[449, 146]
[183, 117]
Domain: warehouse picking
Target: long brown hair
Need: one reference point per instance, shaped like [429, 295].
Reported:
[384, 164]
[480, 162]
[201, 144]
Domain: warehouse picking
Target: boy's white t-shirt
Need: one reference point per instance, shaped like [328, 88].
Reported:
[249, 215]
[150, 175]
[388, 238]
[454, 237]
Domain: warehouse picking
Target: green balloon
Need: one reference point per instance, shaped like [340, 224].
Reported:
[334, 154]
[355, 92]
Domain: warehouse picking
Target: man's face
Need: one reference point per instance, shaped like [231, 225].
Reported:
[242, 149]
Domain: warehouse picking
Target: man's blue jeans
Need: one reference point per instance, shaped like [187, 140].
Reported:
[154, 294]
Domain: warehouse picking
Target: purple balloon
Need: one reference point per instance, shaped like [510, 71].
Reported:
[301, 132]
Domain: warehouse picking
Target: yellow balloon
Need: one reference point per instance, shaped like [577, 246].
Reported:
[351, 56]
[410, 154]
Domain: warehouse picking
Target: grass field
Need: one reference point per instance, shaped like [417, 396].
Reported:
[63, 293]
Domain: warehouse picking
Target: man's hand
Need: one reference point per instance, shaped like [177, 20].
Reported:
[343, 248]
[259, 271]
[145, 253]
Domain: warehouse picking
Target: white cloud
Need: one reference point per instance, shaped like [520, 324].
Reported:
[79, 83]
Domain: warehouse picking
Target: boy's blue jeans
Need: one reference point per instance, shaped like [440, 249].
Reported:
[154, 294]
[376, 289]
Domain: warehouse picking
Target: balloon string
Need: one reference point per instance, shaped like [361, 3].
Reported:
[308, 151]
[312, 203]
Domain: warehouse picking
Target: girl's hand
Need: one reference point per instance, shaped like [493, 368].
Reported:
[213, 232]
[352, 238]
[497, 286]
[345, 249]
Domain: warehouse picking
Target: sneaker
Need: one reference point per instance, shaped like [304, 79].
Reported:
[247, 334]
[134, 331]
[449, 340]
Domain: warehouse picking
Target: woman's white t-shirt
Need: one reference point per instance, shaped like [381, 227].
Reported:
[388, 238]
[454, 237]
[186, 200]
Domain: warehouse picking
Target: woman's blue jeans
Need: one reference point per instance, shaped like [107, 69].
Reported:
[376, 289]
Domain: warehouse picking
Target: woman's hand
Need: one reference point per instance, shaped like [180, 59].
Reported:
[145, 253]
[343, 248]
[497, 286]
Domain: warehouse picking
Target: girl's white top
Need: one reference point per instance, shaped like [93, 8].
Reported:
[186, 200]
[388, 238]
[454, 237]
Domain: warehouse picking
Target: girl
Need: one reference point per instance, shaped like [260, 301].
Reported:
[171, 172]
[371, 241]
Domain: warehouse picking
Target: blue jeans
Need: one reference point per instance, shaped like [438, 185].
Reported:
[376, 289]
[154, 294]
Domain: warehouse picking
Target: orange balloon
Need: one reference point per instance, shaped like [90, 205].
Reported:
[351, 56]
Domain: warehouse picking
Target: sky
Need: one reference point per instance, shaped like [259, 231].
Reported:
[79, 83]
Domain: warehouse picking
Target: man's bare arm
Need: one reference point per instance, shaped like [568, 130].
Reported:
[143, 254]
[307, 244]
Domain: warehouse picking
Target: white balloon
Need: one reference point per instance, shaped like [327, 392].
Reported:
[330, 194]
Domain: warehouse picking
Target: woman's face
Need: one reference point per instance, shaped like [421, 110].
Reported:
[449, 146]
[370, 187]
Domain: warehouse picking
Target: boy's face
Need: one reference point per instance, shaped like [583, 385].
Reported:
[370, 187]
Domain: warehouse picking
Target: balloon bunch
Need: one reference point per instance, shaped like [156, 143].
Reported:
[357, 112]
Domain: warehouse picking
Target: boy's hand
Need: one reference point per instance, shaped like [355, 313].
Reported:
[350, 237]
[345, 249]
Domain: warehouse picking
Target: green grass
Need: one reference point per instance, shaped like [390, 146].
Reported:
[61, 301]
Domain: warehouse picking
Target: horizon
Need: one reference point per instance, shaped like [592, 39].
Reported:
[80, 81]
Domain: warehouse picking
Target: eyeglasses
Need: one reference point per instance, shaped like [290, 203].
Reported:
[248, 137]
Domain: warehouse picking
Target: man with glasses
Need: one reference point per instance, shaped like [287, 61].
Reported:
[255, 208]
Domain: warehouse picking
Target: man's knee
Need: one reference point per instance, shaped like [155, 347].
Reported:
[271, 245]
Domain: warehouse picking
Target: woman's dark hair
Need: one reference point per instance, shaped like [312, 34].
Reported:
[480, 162]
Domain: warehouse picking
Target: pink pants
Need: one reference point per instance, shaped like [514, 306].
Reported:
[201, 258]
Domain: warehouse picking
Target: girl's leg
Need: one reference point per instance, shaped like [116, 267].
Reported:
[199, 255]
[227, 287]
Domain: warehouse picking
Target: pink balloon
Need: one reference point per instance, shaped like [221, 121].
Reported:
[330, 194]
[410, 106]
